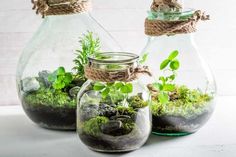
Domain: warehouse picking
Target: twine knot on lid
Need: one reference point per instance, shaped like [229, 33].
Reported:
[159, 27]
[60, 7]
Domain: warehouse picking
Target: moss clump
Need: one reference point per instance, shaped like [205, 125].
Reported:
[128, 126]
[92, 126]
[49, 97]
[183, 102]
[137, 102]
[125, 110]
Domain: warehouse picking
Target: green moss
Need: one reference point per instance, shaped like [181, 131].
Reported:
[126, 110]
[183, 102]
[49, 97]
[137, 102]
[128, 127]
[92, 126]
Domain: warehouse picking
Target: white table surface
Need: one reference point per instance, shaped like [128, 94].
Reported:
[19, 137]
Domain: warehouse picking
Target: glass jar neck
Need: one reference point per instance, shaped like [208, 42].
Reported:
[68, 22]
[113, 61]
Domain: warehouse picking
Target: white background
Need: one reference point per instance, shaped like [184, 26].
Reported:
[124, 19]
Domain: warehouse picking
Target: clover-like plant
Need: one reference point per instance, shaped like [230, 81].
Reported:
[117, 91]
[60, 78]
[89, 46]
[166, 83]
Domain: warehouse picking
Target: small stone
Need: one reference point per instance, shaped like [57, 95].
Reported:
[111, 127]
[120, 117]
[74, 91]
[30, 84]
[107, 110]
[43, 76]
[88, 111]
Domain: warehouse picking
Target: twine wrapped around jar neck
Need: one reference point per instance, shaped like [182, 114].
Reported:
[156, 27]
[125, 75]
[60, 7]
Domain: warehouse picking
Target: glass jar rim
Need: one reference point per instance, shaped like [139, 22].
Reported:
[113, 57]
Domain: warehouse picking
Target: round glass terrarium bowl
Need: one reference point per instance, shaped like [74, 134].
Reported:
[47, 86]
[183, 95]
[113, 117]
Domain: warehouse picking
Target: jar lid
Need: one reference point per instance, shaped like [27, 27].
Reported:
[182, 15]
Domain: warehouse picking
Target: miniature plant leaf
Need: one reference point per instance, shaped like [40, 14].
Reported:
[173, 55]
[164, 64]
[169, 87]
[60, 78]
[118, 85]
[98, 86]
[105, 92]
[158, 86]
[174, 65]
[144, 58]
[61, 71]
[127, 88]
[163, 98]
[89, 46]
[165, 84]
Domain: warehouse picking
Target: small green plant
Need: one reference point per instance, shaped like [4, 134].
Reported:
[92, 126]
[187, 103]
[50, 97]
[165, 84]
[137, 102]
[60, 78]
[89, 46]
[116, 91]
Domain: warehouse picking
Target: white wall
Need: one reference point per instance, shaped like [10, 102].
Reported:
[124, 19]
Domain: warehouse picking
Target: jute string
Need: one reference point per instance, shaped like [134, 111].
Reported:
[60, 7]
[164, 27]
[126, 75]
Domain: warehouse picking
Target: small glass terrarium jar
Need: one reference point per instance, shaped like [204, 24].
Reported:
[183, 93]
[113, 105]
[50, 70]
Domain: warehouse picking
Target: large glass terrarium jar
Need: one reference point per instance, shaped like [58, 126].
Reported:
[183, 93]
[50, 70]
[113, 105]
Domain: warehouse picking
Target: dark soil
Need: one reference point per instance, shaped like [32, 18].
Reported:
[110, 144]
[52, 118]
[178, 124]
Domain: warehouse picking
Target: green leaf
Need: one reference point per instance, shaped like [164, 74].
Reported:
[98, 86]
[127, 88]
[169, 87]
[105, 92]
[61, 71]
[172, 77]
[118, 85]
[144, 58]
[68, 78]
[163, 79]
[164, 64]
[158, 86]
[173, 55]
[174, 65]
[52, 77]
[58, 85]
[163, 98]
